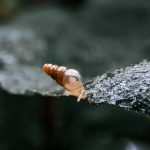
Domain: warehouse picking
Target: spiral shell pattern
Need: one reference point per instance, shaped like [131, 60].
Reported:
[70, 79]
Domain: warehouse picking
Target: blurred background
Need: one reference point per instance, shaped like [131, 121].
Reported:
[93, 36]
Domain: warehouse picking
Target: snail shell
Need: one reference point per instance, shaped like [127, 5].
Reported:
[70, 79]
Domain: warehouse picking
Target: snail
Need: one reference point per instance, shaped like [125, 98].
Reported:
[70, 79]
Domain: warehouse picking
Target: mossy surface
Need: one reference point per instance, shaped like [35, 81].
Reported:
[128, 88]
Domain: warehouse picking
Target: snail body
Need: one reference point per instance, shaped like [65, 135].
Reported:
[70, 79]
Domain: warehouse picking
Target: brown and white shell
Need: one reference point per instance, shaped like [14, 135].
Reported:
[70, 79]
